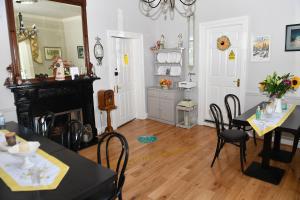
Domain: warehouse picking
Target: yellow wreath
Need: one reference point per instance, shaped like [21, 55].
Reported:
[223, 43]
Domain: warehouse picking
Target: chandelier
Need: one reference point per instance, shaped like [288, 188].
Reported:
[23, 32]
[155, 8]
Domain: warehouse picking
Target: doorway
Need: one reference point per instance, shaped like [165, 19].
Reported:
[126, 76]
[222, 71]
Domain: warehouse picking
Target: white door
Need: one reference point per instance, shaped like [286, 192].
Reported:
[123, 82]
[224, 68]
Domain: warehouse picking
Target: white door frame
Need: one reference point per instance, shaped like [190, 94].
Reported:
[203, 60]
[138, 68]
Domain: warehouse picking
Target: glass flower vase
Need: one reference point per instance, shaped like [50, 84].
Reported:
[278, 105]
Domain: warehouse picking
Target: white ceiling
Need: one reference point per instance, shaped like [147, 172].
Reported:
[48, 9]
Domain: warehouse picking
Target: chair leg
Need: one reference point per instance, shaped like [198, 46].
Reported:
[241, 155]
[216, 152]
[245, 148]
[254, 138]
[295, 144]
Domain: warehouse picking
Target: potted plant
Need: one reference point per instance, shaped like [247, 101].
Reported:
[275, 87]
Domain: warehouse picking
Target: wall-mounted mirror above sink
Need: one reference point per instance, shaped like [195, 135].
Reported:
[43, 30]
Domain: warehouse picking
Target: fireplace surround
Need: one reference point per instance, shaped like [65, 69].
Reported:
[33, 100]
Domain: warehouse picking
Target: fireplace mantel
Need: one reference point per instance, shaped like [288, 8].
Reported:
[34, 99]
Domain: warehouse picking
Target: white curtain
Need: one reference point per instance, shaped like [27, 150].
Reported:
[27, 70]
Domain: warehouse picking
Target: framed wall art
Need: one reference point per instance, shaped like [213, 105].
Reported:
[292, 37]
[52, 52]
[80, 52]
[260, 48]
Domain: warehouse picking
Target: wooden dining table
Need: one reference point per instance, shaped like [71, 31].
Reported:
[263, 170]
[84, 180]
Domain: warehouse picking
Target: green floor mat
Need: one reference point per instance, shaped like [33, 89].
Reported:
[145, 139]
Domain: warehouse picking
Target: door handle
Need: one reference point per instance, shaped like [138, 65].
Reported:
[238, 82]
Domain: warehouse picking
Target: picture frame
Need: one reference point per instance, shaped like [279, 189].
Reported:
[292, 37]
[261, 48]
[74, 71]
[80, 52]
[52, 52]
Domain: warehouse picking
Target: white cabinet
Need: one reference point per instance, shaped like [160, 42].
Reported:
[162, 104]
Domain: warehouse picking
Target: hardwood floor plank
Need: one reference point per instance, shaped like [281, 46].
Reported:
[177, 166]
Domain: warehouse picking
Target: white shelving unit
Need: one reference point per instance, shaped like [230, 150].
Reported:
[166, 60]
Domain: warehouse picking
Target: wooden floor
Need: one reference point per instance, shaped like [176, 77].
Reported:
[177, 166]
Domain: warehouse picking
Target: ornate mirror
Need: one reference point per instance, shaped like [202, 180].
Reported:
[43, 30]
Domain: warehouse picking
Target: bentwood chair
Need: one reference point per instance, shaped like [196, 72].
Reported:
[233, 108]
[74, 135]
[114, 139]
[45, 124]
[231, 136]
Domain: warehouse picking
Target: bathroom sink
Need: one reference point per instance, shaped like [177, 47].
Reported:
[187, 84]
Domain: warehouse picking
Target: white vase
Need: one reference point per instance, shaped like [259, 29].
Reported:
[277, 104]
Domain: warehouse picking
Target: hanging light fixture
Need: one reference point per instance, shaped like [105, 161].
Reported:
[155, 8]
[24, 32]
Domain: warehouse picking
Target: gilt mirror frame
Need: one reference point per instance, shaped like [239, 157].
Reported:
[14, 49]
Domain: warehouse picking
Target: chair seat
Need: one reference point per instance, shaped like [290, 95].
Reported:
[234, 135]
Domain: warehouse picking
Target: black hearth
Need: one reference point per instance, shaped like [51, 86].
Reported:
[32, 100]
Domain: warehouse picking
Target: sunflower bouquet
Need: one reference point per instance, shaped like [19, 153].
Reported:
[165, 83]
[276, 86]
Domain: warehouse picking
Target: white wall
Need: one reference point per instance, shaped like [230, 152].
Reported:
[102, 16]
[6, 101]
[268, 17]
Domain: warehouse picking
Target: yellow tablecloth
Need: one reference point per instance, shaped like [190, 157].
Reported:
[269, 123]
[48, 170]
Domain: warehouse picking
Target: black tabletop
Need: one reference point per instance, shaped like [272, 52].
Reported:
[84, 180]
[290, 125]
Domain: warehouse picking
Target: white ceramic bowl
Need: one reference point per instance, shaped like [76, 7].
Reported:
[32, 148]
[3, 146]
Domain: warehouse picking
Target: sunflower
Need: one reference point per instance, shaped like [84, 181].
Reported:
[295, 82]
[262, 87]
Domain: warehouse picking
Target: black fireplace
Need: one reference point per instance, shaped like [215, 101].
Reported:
[33, 100]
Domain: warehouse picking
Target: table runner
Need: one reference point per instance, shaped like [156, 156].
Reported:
[269, 123]
[46, 174]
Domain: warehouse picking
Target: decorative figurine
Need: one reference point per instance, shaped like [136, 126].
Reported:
[58, 67]
[60, 70]
[92, 71]
[9, 79]
[19, 80]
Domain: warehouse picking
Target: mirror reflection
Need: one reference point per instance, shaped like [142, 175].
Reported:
[47, 30]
